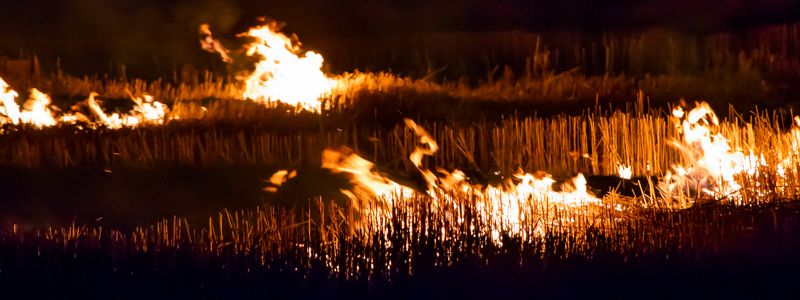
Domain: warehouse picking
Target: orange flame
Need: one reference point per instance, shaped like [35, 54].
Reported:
[283, 73]
[278, 179]
[712, 165]
[10, 108]
[36, 111]
[504, 205]
[210, 44]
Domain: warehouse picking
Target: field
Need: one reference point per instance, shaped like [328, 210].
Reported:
[567, 166]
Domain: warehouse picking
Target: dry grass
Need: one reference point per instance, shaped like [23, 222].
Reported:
[595, 142]
[417, 238]
[741, 66]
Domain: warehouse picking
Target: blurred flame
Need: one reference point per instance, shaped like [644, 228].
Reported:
[36, 110]
[149, 111]
[624, 171]
[365, 179]
[278, 179]
[210, 44]
[10, 108]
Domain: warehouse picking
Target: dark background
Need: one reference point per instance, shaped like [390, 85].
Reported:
[155, 37]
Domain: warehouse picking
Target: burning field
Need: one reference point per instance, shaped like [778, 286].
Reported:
[281, 178]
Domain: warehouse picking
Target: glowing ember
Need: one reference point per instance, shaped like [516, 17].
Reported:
[284, 74]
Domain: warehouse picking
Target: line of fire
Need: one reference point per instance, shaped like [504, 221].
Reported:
[452, 149]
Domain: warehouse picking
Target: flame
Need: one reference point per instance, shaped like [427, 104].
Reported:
[36, 111]
[10, 108]
[366, 180]
[146, 111]
[795, 136]
[503, 205]
[210, 44]
[427, 147]
[712, 166]
[511, 206]
[283, 73]
[372, 195]
[278, 179]
[624, 171]
[149, 111]
[793, 154]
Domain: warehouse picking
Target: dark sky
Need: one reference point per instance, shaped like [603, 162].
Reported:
[163, 33]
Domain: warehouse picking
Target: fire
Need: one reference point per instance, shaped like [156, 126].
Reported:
[210, 44]
[10, 109]
[149, 111]
[624, 171]
[427, 147]
[792, 156]
[365, 179]
[284, 73]
[36, 111]
[505, 206]
[712, 166]
[278, 179]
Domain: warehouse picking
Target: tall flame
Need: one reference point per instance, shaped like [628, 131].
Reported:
[284, 73]
[10, 108]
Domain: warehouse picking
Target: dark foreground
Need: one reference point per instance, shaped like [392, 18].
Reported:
[712, 251]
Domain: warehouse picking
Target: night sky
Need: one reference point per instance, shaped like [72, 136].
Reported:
[162, 34]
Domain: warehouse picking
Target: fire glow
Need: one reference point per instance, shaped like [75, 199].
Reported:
[712, 171]
[506, 206]
[283, 73]
[36, 111]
